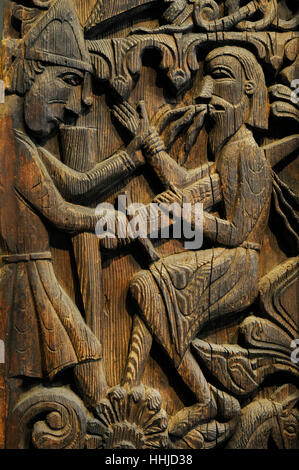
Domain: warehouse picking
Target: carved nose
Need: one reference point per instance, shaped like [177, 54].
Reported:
[206, 90]
[74, 104]
[87, 90]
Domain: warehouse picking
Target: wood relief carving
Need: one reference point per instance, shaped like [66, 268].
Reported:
[147, 340]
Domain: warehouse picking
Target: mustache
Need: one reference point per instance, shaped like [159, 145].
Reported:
[214, 104]
[205, 114]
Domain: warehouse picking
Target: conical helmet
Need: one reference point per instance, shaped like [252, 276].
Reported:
[53, 36]
[57, 38]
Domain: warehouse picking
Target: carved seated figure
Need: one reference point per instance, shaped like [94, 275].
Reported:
[182, 293]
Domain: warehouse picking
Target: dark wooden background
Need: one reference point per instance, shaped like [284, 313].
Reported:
[118, 269]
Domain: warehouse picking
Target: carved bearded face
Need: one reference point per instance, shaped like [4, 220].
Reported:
[54, 96]
[226, 90]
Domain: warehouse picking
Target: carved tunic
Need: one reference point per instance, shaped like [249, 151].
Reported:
[198, 286]
[47, 330]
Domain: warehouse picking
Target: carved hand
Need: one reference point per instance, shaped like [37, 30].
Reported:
[136, 123]
[191, 117]
[178, 119]
[121, 236]
[173, 194]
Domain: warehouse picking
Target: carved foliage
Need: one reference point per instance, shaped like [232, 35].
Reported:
[128, 423]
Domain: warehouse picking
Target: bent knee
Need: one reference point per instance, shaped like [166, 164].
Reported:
[142, 286]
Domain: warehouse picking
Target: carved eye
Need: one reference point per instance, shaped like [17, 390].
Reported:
[221, 73]
[291, 429]
[72, 79]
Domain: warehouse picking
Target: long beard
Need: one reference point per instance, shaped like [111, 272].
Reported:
[227, 123]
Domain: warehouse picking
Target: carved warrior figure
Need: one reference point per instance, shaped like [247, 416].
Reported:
[180, 294]
[48, 333]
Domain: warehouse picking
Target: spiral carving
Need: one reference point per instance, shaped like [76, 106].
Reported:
[206, 15]
[48, 418]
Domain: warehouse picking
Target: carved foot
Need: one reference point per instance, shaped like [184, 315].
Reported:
[207, 436]
[190, 417]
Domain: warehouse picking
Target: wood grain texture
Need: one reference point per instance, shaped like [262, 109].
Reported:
[146, 342]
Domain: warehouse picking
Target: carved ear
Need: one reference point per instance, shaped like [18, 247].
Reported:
[250, 87]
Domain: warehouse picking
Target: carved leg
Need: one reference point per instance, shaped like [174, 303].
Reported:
[151, 304]
[212, 402]
[193, 377]
[206, 407]
[145, 292]
[140, 346]
[91, 382]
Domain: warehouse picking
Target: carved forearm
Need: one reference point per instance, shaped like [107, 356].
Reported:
[73, 218]
[168, 171]
[207, 191]
[72, 183]
[221, 231]
[64, 215]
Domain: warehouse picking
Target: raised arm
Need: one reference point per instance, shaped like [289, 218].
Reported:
[73, 184]
[169, 172]
[167, 169]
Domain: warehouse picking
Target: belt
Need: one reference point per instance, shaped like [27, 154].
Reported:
[251, 246]
[19, 258]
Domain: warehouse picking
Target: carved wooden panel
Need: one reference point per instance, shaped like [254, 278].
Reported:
[120, 338]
